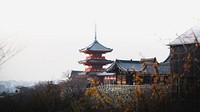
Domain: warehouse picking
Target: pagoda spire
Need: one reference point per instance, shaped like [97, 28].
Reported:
[95, 32]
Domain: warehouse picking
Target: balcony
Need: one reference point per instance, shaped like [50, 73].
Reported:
[95, 57]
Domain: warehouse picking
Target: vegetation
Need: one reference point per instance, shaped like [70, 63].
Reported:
[72, 96]
[45, 97]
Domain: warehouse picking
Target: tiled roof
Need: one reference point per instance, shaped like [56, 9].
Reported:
[75, 73]
[90, 73]
[127, 65]
[149, 65]
[164, 67]
[97, 73]
[96, 61]
[96, 46]
[189, 37]
[149, 69]
[139, 66]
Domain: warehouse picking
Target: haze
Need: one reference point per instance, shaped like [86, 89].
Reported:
[53, 31]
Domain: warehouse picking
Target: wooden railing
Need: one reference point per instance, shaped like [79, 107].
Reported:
[94, 69]
[95, 57]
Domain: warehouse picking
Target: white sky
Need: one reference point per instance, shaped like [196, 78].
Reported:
[54, 31]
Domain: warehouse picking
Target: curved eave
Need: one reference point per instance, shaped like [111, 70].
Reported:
[119, 64]
[90, 62]
[96, 47]
[111, 66]
[94, 51]
[181, 44]
[191, 36]
[128, 70]
[93, 73]
[87, 74]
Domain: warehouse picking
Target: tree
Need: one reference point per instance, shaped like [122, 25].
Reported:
[7, 49]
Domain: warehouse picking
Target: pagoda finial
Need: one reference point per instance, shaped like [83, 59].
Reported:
[95, 32]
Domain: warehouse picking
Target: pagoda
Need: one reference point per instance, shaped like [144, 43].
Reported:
[95, 61]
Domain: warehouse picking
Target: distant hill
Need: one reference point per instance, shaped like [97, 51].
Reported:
[9, 86]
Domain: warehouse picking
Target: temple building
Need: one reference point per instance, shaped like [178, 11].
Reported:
[185, 68]
[127, 71]
[185, 58]
[95, 61]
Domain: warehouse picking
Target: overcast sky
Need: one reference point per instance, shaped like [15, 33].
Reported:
[53, 31]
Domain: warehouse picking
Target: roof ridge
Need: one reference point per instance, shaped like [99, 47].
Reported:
[192, 32]
[128, 60]
[120, 65]
[95, 45]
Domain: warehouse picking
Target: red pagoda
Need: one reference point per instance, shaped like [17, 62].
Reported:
[95, 61]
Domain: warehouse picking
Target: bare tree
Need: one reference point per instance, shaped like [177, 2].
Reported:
[8, 49]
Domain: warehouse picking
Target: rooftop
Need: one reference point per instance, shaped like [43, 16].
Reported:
[127, 65]
[97, 47]
[164, 67]
[191, 36]
[95, 61]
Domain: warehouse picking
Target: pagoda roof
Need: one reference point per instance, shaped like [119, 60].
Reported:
[96, 47]
[126, 65]
[90, 73]
[97, 73]
[191, 36]
[104, 61]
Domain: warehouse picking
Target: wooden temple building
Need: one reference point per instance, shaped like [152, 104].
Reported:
[124, 70]
[127, 70]
[95, 62]
[185, 58]
[185, 69]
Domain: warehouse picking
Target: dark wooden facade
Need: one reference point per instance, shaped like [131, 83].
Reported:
[185, 68]
[185, 58]
[185, 65]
